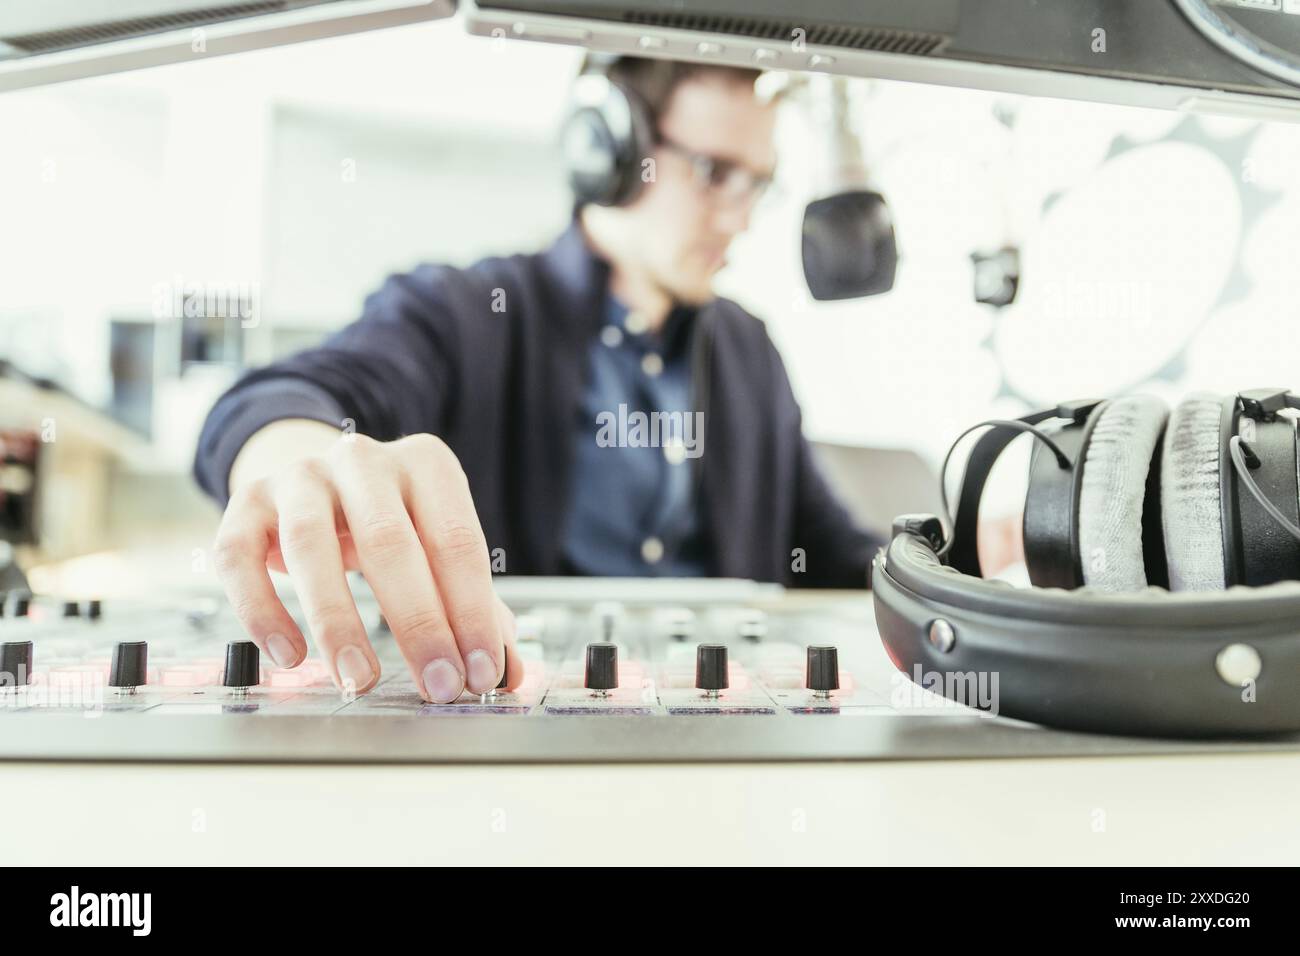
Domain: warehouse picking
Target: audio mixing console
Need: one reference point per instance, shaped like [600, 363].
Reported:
[615, 671]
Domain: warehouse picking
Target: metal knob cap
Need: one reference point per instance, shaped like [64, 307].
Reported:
[601, 672]
[130, 667]
[823, 673]
[15, 663]
[711, 667]
[243, 668]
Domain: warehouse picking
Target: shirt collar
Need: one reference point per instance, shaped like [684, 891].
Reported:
[579, 277]
[581, 280]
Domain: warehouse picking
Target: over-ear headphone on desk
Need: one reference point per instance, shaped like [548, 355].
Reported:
[1164, 549]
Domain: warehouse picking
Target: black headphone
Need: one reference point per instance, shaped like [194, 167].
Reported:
[1164, 550]
[605, 137]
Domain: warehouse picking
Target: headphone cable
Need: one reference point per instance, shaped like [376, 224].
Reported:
[1238, 450]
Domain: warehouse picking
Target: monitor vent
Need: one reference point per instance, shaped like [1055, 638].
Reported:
[855, 38]
[83, 35]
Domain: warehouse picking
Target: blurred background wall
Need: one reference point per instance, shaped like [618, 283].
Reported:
[1156, 248]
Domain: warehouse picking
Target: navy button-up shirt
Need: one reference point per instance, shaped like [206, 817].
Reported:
[633, 510]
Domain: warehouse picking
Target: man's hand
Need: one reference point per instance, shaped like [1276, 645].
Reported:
[401, 513]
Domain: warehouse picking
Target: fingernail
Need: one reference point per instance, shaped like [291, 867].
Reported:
[482, 671]
[281, 651]
[442, 681]
[353, 669]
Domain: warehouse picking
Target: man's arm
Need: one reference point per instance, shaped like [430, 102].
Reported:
[314, 494]
[386, 375]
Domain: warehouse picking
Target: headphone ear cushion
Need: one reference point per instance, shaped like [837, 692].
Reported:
[1190, 493]
[604, 140]
[1117, 461]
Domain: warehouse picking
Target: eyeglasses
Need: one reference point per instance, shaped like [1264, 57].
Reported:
[722, 179]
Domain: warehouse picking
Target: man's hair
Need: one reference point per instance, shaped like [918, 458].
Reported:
[654, 81]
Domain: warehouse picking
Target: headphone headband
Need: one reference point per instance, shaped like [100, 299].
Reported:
[1151, 662]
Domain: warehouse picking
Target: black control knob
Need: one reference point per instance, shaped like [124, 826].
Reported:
[22, 603]
[823, 674]
[753, 627]
[94, 609]
[4, 600]
[15, 663]
[243, 666]
[130, 667]
[711, 667]
[601, 673]
[609, 617]
[71, 609]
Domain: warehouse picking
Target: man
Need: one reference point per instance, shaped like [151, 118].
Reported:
[478, 419]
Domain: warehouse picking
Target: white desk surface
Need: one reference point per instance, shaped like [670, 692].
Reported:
[1176, 810]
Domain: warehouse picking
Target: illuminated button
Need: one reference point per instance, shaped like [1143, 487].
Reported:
[650, 43]
[652, 364]
[763, 55]
[636, 322]
[301, 676]
[190, 675]
[79, 675]
[675, 451]
[707, 48]
[652, 550]
[612, 336]
[819, 61]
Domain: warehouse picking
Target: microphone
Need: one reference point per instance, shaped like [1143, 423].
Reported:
[849, 247]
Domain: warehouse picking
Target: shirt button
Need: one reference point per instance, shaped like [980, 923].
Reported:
[612, 336]
[652, 364]
[636, 323]
[675, 451]
[652, 550]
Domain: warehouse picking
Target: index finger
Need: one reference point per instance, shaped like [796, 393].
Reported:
[239, 554]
